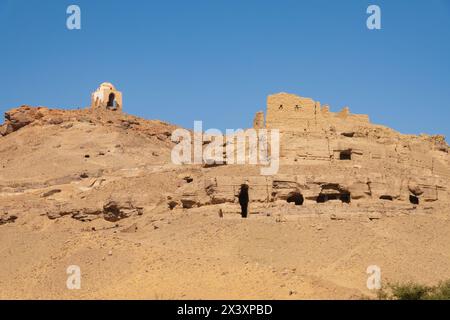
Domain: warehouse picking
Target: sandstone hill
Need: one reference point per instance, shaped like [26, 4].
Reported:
[96, 188]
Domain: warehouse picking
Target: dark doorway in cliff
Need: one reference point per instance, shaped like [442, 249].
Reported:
[345, 155]
[413, 199]
[111, 101]
[389, 198]
[295, 197]
[345, 197]
[243, 200]
[322, 198]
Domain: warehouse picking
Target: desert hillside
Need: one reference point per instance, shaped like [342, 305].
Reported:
[97, 189]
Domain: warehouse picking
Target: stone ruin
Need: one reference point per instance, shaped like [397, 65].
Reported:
[106, 97]
[330, 162]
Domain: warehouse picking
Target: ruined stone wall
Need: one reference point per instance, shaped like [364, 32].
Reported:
[329, 159]
[335, 155]
[258, 121]
[290, 112]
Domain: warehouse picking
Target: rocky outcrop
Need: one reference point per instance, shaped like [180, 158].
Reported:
[19, 118]
[7, 218]
[114, 211]
[111, 211]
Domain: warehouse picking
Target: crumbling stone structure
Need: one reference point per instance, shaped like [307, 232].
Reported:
[329, 159]
[289, 112]
[107, 97]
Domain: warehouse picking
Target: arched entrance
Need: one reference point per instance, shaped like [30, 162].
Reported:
[111, 101]
[295, 197]
[243, 200]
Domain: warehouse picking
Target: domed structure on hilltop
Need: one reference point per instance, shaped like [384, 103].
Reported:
[107, 97]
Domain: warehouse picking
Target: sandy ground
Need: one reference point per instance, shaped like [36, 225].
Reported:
[201, 256]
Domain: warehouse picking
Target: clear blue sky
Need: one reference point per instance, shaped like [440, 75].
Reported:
[217, 60]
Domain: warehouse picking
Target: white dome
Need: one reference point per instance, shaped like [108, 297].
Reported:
[108, 85]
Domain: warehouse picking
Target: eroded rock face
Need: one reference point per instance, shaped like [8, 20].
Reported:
[20, 117]
[7, 218]
[328, 162]
[328, 157]
[111, 211]
[114, 211]
[81, 214]
[23, 116]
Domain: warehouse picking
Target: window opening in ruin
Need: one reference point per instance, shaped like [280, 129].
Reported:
[280, 107]
[243, 200]
[345, 155]
[295, 197]
[413, 199]
[386, 198]
[111, 100]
